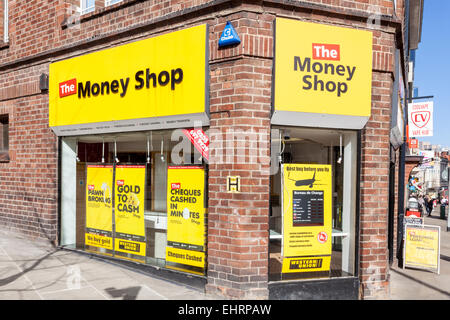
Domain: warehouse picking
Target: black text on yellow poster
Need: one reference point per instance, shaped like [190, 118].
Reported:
[99, 206]
[306, 217]
[186, 216]
[422, 247]
[129, 209]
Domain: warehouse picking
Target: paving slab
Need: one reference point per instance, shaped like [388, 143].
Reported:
[37, 271]
[417, 284]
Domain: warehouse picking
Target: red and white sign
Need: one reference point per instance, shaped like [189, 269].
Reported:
[420, 119]
[200, 141]
[175, 185]
[322, 237]
[67, 88]
[413, 143]
[91, 187]
[323, 51]
[120, 182]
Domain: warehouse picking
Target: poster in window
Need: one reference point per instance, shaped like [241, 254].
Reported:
[186, 218]
[129, 198]
[306, 217]
[99, 206]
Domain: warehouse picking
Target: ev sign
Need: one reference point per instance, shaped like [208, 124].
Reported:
[420, 119]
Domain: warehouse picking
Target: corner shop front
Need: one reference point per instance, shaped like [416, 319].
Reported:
[315, 132]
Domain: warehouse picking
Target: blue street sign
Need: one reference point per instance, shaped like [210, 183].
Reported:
[229, 36]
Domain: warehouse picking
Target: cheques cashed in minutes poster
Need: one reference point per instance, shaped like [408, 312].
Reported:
[129, 209]
[99, 206]
[186, 216]
[306, 217]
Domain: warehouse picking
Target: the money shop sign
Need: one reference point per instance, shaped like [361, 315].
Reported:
[164, 76]
[186, 219]
[323, 72]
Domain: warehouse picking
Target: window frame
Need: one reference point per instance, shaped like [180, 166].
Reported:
[5, 22]
[84, 10]
[111, 2]
[5, 137]
[349, 231]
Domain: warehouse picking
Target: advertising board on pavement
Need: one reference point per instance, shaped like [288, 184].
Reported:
[422, 247]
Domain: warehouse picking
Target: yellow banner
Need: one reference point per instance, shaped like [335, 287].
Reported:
[99, 206]
[191, 258]
[95, 240]
[322, 69]
[306, 264]
[129, 202]
[306, 211]
[186, 215]
[422, 247]
[161, 76]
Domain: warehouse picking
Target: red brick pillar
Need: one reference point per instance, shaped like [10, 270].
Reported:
[375, 155]
[238, 223]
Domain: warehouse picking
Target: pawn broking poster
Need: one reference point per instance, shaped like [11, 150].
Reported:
[306, 217]
[99, 206]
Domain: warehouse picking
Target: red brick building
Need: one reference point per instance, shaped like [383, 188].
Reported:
[43, 186]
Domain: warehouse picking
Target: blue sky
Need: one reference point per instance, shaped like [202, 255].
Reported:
[432, 70]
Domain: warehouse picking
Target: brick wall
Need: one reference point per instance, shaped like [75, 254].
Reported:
[40, 26]
[238, 222]
[28, 182]
[375, 173]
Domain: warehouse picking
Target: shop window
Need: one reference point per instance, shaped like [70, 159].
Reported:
[111, 2]
[313, 201]
[146, 189]
[4, 138]
[87, 6]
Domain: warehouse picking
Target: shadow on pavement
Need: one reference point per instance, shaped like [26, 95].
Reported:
[126, 293]
[5, 281]
[422, 283]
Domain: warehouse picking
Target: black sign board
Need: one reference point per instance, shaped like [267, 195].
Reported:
[307, 208]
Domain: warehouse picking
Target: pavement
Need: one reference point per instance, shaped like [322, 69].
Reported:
[31, 270]
[416, 284]
[34, 270]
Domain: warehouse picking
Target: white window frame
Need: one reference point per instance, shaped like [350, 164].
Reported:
[86, 10]
[111, 2]
[5, 22]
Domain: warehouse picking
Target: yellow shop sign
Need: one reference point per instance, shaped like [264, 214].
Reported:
[148, 84]
[323, 75]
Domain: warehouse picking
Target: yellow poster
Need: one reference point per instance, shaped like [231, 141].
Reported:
[186, 217]
[422, 247]
[99, 206]
[129, 209]
[306, 217]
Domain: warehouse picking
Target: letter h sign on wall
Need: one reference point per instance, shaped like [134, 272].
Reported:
[233, 184]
